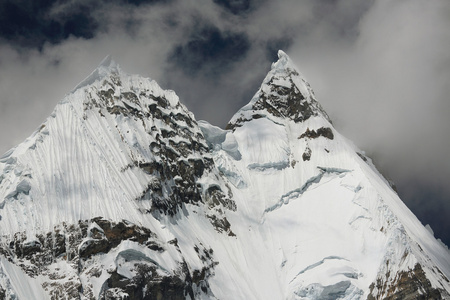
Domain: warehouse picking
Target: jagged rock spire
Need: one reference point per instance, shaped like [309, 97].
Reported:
[284, 93]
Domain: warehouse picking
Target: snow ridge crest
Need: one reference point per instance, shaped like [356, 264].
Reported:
[284, 62]
[106, 67]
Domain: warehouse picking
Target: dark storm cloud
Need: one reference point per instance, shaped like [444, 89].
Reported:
[31, 23]
[430, 203]
[272, 46]
[210, 49]
[235, 6]
[380, 68]
[142, 2]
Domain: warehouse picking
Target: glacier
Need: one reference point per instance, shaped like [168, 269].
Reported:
[122, 194]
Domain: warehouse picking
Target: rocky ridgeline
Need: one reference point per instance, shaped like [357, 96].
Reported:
[283, 94]
[179, 153]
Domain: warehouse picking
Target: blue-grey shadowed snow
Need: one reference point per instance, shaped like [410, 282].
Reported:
[22, 188]
[286, 198]
[329, 292]
[131, 255]
[317, 264]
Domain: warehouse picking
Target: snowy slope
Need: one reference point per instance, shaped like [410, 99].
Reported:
[322, 222]
[122, 193]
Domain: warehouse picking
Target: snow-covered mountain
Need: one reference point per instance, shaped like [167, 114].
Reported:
[122, 194]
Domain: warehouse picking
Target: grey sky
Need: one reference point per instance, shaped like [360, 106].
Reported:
[380, 68]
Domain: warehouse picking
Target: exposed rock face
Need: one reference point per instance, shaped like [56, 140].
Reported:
[85, 248]
[283, 94]
[307, 154]
[412, 284]
[326, 132]
[284, 101]
[178, 151]
[178, 148]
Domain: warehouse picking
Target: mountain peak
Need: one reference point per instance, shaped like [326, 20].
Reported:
[106, 67]
[107, 62]
[284, 62]
[284, 94]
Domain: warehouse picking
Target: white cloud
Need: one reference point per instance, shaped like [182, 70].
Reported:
[389, 87]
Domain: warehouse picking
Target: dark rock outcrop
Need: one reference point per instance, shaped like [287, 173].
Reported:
[307, 154]
[78, 245]
[179, 152]
[2, 294]
[326, 132]
[406, 285]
